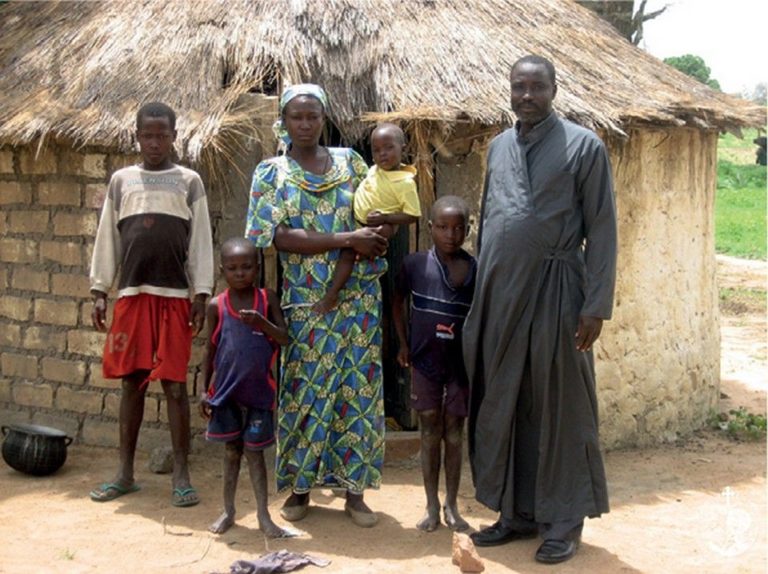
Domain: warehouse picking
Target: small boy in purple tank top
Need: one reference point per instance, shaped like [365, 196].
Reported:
[439, 284]
[245, 328]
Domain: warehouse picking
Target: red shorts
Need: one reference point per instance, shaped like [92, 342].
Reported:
[149, 333]
[427, 395]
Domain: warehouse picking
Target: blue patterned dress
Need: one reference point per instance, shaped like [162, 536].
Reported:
[331, 407]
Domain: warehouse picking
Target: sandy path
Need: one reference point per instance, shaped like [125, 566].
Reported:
[695, 507]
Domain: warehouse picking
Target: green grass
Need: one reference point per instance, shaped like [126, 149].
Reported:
[740, 202]
[739, 424]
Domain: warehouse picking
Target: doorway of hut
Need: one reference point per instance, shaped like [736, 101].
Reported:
[397, 383]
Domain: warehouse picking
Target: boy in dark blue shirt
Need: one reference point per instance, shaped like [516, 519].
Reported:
[439, 283]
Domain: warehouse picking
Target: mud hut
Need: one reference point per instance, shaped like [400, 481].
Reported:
[74, 74]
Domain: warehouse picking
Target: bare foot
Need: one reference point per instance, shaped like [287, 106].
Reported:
[222, 524]
[430, 521]
[326, 304]
[453, 519]
[272, 530]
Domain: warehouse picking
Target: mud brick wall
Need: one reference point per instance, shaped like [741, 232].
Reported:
[658, 359]
[50, 355]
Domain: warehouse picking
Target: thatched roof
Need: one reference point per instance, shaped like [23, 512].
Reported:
[80, 69]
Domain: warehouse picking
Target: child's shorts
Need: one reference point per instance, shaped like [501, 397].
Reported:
[149, 333]
[232, 421]
[427, 394]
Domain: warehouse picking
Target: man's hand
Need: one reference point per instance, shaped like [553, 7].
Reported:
[197, 313]
[99, 311]
[588, 332]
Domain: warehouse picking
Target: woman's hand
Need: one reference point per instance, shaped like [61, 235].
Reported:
[368, 241]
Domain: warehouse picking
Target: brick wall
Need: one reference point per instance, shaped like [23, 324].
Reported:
[50, 355]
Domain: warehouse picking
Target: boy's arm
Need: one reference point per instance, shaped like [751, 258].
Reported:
[105, 257]
[274, 325]
[99, 311]
[200, 262]
[276, 319]
[398, 318]
[197, 313]
[212, 312]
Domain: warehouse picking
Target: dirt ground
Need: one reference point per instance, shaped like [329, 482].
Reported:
[698, 506]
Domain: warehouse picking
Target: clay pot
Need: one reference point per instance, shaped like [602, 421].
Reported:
[34, 449]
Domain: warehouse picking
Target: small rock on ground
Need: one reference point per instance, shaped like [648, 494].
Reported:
[161, 460]
[465, 555]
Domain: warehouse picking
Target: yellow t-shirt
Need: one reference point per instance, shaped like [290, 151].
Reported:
[388, 192]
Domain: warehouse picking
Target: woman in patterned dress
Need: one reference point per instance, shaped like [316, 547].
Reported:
[331, 410]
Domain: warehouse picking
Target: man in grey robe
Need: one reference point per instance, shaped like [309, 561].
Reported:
[546, 274]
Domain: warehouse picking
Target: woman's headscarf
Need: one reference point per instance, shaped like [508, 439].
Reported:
[288, 94]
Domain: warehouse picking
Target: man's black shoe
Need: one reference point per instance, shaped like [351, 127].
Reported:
[556, 551]
[497, 534]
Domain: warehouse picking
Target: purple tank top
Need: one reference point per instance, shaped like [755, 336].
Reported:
[244, 358]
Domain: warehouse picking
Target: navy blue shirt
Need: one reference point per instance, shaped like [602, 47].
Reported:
[438, 310]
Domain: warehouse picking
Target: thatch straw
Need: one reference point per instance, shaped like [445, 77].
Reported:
[80, 69]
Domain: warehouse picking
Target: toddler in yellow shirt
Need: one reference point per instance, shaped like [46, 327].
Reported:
[386, 198]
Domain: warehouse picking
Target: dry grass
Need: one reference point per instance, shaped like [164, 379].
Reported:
[742, 301]
[80, 69]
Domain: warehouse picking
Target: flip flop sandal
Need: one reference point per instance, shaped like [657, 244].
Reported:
[112, 490]
[183, 497]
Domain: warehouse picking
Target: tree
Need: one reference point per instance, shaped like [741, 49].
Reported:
[619, 14]
[640, 18]
[758, 95]
[694, 67]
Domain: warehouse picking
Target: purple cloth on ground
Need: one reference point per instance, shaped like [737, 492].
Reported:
[280, 561]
